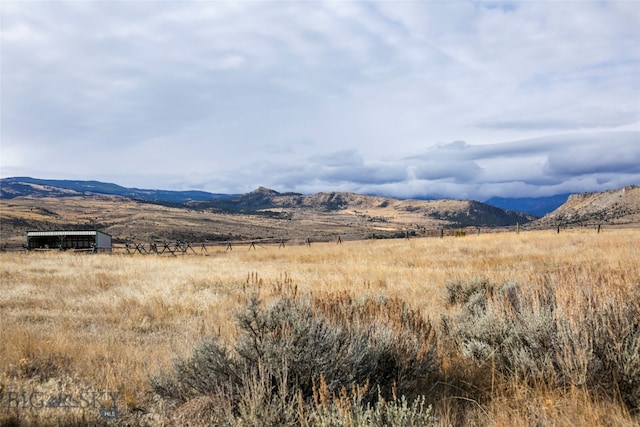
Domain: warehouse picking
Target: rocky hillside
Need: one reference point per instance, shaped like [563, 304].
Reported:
[614, 207]
[262, 214]
[446, 213]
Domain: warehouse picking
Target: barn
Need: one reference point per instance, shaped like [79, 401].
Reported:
[88, 240]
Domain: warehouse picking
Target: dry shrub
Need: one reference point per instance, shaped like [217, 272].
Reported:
[616, 349]
[348, 409]
[542, 335]
[459, 291]
[299, 348]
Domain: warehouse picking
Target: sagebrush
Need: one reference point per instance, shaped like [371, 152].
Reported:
[537, 334]
[297, 348]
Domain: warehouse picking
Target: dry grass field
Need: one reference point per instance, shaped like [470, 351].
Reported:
[83, 326]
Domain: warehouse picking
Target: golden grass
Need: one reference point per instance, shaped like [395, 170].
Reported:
[108, 322]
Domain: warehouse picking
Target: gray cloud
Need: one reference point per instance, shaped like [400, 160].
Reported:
[379, 173]
[580, 118]
[459, 170]
[227, 96]
[615, 158]
[540, 166]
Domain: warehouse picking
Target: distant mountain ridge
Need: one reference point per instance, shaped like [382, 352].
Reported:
[539, 206]
[33, 187]
[270, 203]
[156, 215]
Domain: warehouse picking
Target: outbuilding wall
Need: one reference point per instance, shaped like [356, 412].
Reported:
[73, 239]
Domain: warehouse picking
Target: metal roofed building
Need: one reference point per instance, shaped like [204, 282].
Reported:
[87, 240]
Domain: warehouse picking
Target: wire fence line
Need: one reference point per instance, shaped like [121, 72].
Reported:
[203, 248]
[184, 248]
[178, 247]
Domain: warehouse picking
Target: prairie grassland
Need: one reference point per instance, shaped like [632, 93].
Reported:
[71, 323]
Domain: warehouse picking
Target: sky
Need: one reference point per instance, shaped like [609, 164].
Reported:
[409, 99]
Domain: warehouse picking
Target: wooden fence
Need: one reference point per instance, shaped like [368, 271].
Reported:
[205, 248]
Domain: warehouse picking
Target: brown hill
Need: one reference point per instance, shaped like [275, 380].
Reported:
[260, 215]
[615, 207]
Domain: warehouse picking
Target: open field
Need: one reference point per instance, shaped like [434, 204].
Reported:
[88, 325]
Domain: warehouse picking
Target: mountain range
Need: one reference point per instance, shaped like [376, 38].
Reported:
[33, 187]
[538, 206]
[136, 215]
[26, 186]
[151, 215]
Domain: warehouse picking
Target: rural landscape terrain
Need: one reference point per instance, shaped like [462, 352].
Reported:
[263, 214]
[538, 324]
[147, 217]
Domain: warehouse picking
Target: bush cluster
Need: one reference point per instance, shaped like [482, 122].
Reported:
[335, 360]
[532, 333]
[300, 357]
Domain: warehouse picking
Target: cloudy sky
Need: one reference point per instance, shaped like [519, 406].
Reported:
[461, 99]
